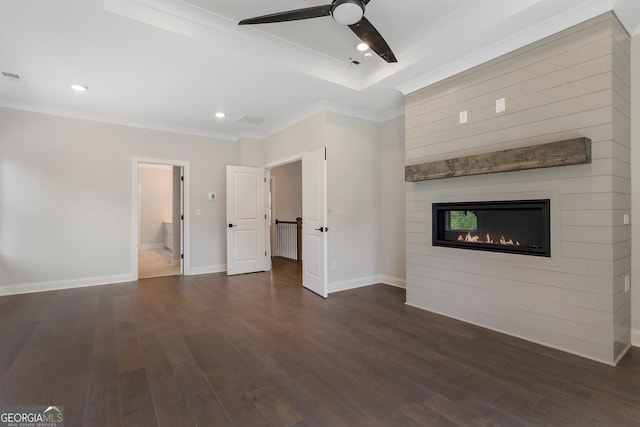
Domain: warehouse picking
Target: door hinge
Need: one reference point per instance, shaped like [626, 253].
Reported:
[265, 179]
[182, 178]
[182, 217]
[181, 256]
[325, 153]
[265, 253]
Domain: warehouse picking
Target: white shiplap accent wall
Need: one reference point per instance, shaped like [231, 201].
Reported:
[572, 84]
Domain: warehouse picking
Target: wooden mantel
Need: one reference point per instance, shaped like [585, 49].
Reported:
[561, 153]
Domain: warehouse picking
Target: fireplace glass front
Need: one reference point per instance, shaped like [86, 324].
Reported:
[514, 226]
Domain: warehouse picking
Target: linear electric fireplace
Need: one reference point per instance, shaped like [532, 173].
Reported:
[514, 226]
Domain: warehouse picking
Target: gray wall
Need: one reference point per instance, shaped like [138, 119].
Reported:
[391, 187]
[572, 84]
[288, 197]
[66, 213]
[66, 196]
[365, 168]
[352, 185]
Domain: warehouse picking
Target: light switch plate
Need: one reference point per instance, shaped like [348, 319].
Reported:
[463, 117]
[212, 196]
[500, 105]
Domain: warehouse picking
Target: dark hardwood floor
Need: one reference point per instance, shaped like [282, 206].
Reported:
[258, 349]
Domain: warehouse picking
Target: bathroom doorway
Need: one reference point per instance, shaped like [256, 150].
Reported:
[160, 224]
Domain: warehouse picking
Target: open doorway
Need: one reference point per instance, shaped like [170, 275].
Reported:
[160, 228]
[285, 205]
[250, 216]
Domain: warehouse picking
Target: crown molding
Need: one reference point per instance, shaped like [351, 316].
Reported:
[312, 110]
[526, 36]
[115, 120]
[326, 106]
[628, 12]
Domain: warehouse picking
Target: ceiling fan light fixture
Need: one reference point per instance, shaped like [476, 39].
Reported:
[348, 12]
[79, 87]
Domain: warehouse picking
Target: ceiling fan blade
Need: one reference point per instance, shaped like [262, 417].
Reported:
[291, 15]
[368, 34]
[366, 2]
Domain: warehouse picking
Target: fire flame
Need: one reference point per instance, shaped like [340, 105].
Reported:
[475, 238]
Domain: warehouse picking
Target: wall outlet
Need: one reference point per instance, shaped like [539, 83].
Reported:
[627, 283]
[463, 117]
[212, 196]
[197, 212]
[625, 219]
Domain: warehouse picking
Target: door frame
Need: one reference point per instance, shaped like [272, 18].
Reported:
[281, 162]
[186, 226]
[268, 167]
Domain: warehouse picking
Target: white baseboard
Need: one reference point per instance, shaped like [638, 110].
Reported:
[345, 285]
[621, 355]
[360, 282]
[393, 281]
[28, 288]
[635, 337]
[208, 269]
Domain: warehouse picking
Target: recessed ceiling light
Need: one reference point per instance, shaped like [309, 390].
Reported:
[362, 47]
[79, 88]
[221, 115]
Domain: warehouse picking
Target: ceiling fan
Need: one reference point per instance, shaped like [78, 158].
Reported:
[346, 12]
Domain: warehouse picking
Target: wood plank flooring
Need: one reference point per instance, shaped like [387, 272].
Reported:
[259, 350]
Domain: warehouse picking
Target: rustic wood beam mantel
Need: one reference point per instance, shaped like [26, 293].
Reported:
[561, 153]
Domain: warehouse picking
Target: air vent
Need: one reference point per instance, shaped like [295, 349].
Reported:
[252, 120]
[12, 76]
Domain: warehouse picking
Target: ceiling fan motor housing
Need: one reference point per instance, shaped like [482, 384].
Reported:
[347, 12]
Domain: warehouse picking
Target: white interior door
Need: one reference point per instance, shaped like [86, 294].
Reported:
[314, 221]
[246, 220]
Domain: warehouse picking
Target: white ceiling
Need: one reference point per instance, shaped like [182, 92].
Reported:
[171, 64]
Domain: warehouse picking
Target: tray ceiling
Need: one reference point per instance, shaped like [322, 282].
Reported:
[171, 64]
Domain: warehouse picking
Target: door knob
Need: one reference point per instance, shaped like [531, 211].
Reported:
[232, 225]
[321, 229]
